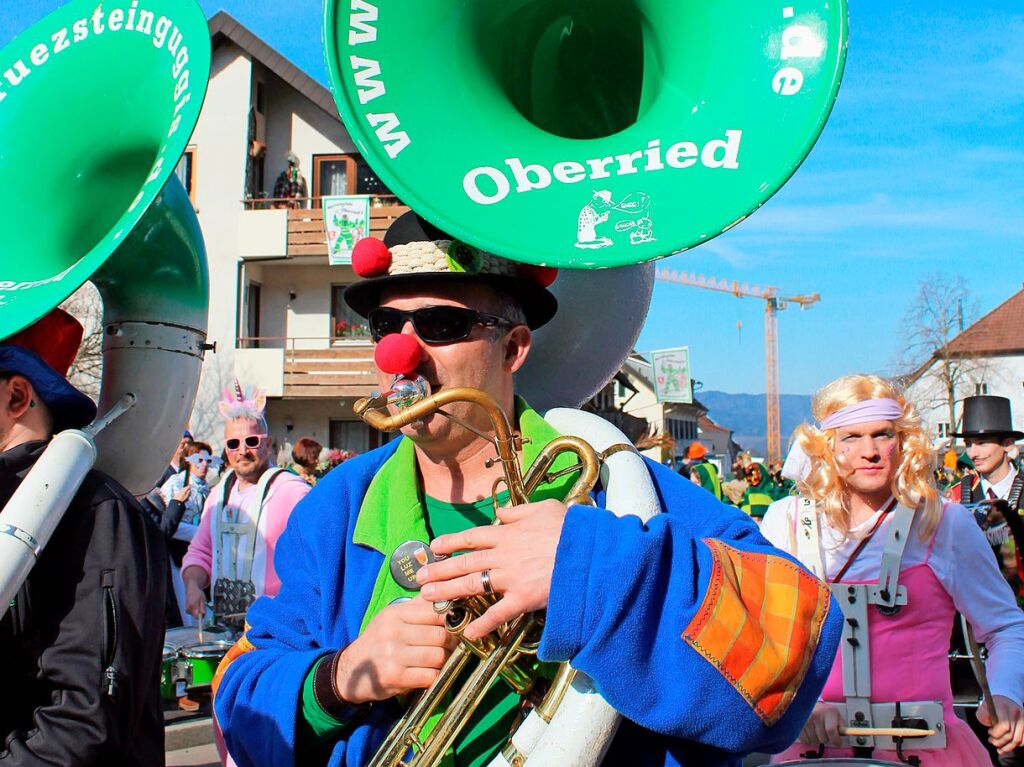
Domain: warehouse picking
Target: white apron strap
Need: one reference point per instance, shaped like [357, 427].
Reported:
[808, 537]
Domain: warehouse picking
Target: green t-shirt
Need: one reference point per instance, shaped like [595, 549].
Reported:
[490, 724]
[489, 727]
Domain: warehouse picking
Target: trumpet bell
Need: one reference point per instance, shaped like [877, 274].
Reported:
[589, 133]
[87, 143]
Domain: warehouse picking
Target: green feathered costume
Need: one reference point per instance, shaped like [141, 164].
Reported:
[707, 477]
[758, 496]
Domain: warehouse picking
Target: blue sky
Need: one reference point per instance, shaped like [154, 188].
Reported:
[917, 173]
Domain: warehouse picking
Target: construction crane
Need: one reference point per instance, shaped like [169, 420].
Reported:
[774, 303]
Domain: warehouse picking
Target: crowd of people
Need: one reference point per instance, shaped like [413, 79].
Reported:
[752, 486]
[713, 635]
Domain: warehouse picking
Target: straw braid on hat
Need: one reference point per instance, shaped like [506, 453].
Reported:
[413, 250]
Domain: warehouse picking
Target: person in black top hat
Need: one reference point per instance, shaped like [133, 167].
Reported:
[988, 433]
[82, 638]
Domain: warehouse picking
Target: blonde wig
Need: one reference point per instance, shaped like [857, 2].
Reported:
[913, 484]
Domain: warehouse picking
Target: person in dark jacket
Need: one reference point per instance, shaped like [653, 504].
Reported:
[82, 638]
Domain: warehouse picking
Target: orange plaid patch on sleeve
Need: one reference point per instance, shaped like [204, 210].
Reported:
[240, 647]
[759, 625]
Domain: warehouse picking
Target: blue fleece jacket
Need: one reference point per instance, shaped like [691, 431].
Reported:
[645, 609]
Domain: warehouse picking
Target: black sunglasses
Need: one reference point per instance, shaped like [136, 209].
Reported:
[433, 324]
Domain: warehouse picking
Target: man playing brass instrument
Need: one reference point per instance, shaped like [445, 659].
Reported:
[702, 670]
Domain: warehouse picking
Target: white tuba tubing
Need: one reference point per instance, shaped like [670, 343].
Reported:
[584, 724]
[37, 506]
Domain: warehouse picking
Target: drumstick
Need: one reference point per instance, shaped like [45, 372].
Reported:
[978, 666]
[886, 732]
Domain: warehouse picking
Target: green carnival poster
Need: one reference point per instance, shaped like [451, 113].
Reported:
[347, 221]
[671, 369]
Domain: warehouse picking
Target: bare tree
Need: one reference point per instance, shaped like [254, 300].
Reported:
[86, 372]
[942, 371]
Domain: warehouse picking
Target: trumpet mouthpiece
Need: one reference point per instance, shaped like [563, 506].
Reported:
[407, 391]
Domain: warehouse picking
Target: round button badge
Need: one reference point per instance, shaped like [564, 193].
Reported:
[406, 561]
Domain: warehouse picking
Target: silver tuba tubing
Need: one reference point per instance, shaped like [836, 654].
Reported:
[37, 506]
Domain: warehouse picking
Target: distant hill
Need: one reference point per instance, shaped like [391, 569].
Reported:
[745, 415]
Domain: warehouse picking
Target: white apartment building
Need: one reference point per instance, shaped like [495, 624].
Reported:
[276, 312]
[629, 401]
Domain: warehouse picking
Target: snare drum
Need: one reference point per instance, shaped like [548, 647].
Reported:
[187, 663]
[184, 636]
[169, 673]
[202, 661]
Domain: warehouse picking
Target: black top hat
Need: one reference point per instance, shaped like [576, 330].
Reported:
[987, 416]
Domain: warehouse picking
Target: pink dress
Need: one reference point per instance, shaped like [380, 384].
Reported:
[909, 661]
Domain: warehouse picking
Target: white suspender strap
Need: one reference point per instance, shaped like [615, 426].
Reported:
[889, 594]
[808, 537]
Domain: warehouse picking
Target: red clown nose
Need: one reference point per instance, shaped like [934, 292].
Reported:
[371, 258]
[397, 354]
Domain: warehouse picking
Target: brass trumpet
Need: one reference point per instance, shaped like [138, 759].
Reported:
[506, 652]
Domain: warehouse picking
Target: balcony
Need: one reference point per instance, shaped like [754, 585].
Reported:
[270, 229]
[342, 371]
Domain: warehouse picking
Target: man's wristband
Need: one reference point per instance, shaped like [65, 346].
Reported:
[326, 692]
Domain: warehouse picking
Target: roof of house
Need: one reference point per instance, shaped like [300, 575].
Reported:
[223, 26]
[706, 424]
[1001, 331]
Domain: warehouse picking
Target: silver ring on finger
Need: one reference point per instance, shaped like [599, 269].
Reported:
[485, 579]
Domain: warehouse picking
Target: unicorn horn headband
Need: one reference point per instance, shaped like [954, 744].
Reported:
[235, 404]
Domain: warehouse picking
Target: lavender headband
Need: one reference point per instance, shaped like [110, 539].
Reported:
[864, 412]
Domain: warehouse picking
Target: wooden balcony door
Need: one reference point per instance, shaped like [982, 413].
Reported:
[333, 174]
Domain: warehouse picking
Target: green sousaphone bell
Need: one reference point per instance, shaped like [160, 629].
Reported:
[585, 133]
[97, 103]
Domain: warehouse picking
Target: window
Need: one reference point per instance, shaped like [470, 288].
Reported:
[945, 430]
[681, 430]
[345, 323]
[980, 388]
[335, 174]
[186, 172]
[604, 400]
[349, 435]
[253, 296]
[259, 168]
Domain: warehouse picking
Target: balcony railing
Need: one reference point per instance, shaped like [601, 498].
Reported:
[345, 370]
[301, 227]
[273, 203]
